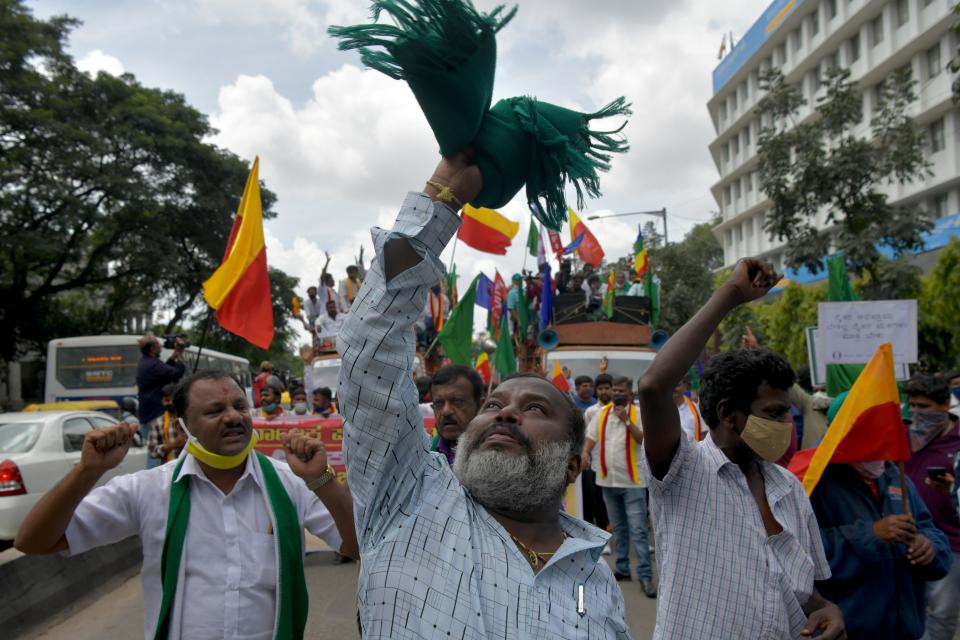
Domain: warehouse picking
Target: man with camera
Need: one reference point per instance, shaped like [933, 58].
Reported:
[153, 375]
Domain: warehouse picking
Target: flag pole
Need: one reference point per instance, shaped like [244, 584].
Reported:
[903, 488]
[203, 338]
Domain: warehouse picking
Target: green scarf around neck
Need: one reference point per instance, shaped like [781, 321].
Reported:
[292, 600]
[446, 51]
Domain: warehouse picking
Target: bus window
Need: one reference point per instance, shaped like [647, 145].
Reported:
[97, 367]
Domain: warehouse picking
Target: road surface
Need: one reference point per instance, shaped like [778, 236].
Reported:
[118, 615]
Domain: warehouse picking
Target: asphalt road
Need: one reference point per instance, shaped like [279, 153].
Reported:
[119, 614]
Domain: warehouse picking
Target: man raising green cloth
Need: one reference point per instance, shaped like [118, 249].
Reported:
[221, 526]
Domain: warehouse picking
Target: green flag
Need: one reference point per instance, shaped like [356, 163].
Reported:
[451, 283]
[607, 307]
[651, 288]
[457, 333]
[840, 377]
[533, 239]
[523, 313]
[504, 359]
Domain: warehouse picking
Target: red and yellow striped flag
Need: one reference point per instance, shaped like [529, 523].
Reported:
[868, 427]
[239, 289]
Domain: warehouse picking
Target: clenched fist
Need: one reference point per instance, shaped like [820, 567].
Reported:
[307, 457]
[105, 448]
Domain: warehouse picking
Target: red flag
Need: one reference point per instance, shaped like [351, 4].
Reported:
[483, 367]
[499, 297]
[559, 380]
[589, 249]
[868, 427]
[240, 288]
[555, 242]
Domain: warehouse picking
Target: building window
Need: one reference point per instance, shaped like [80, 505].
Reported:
[749, 225]
[735, 146]
[927, 3]
[816, 79]
[814, 23]
[877, 95]
[736, 189]
[726, 196]
[746, 135]
[938, 141]
[831, 9]
[933, 61]
[733, 102]
[781, 54]
[729, 238]
[748, 182]
[738, 233]
[744, 93]
[725, 153]
[797, 39]
[903, 12]
[723, 111]
[941, 205]
[853, 45]
[876, 30]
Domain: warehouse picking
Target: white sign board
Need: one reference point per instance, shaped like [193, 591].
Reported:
[850, 332]
[818, 368]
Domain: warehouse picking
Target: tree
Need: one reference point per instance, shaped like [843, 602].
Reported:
[110, 200]
[783, 321]
[940, 312]
[821, 165]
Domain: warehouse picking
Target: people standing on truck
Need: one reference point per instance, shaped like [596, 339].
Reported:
[349, 288]
[153, 375]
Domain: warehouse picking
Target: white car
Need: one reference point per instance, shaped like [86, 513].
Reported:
[37, 449]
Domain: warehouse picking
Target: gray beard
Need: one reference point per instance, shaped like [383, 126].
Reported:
[510, 482]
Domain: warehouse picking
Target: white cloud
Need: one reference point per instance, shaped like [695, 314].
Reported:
[97, 61]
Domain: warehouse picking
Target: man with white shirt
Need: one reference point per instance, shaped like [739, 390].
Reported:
[328, 327]
[738, 544]
[615, 430]
[690, 420]
[223, 524]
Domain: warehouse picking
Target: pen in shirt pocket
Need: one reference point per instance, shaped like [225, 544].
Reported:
[581, 610]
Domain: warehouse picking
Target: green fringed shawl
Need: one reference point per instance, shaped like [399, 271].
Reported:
[446, 52]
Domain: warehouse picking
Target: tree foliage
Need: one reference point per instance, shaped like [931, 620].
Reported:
[111, 203]
[821, 166]
[940, 312]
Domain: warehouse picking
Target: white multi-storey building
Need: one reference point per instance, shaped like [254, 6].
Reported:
[803, 38]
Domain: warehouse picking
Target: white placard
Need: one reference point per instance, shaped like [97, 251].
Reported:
[818, 368]
[850, 332]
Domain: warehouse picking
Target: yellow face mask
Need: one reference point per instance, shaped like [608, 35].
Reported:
[216, 460]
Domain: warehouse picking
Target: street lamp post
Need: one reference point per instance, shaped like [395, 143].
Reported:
[660, 213]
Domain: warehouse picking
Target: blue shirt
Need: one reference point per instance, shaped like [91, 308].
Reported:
[436, 564]
[881, 594]
[583, 406]
[513, 298]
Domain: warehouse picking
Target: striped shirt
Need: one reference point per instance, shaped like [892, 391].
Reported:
[722, 576]
[436, 564]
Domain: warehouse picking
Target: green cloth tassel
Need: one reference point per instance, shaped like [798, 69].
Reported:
[446, 52]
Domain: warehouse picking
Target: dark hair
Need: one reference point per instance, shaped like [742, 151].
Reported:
[623, 381]
[950, 375]
[582, 380]
[735, 376]
[181, 396]
[423, 387]
[937, 389]
[325, 391]
[450, 374]
[804, 379]
[603, 378]
[169, 389]
[578, 427]
[298, 390]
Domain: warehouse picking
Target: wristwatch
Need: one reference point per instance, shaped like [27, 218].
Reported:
[328, 475]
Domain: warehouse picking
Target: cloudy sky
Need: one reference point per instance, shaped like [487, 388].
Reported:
[340, 145]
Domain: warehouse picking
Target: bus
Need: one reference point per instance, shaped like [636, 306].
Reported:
[105, 367]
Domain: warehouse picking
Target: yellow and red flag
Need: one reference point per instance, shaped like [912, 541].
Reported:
[483, 367]
[486, 230]
[239, 289]
[868, 427]
[589, 249]
[559, 380]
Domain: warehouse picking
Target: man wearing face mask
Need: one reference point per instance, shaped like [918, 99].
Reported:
[935, 440]
[455, 393]
[299, 399]
[223, 524]
[583, 393]
[880, 557]
[603, 386]
[737, 542]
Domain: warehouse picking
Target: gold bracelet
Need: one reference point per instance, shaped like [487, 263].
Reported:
[328, 475]
[445, 194]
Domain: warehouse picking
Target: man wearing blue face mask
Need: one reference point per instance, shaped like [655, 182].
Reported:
[738, 544]
[881, 558]
[935, 440]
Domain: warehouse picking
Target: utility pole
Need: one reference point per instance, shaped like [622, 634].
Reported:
[660, 213]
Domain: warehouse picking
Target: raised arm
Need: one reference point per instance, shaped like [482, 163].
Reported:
[751, 279]
[385, 445]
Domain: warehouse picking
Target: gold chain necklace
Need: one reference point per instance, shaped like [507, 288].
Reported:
[534, 557]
